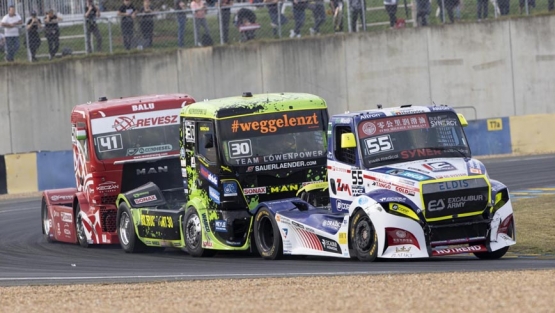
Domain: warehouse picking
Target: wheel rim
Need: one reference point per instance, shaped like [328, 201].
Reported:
[193, 231]
[123, 228]
[266, 233]
[80, 228]
[363, 234]
[45, 221]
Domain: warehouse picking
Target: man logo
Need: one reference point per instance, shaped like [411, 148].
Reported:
[152, 170]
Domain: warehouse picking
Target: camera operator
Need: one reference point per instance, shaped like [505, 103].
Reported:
[91, 14]
[52, 32]
[33, 26]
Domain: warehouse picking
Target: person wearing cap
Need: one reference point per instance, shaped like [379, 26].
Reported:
[11, 22]
[33, 26]
[52, 31]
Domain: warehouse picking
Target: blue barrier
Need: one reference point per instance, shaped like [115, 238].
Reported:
[55, 169]
[489, 136]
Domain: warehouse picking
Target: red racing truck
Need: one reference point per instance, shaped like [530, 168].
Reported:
[118, 145]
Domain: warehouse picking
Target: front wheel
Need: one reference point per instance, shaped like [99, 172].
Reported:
[126, 231]
[266, 235]
[80, 228]
[364, 237]
[498, 254]
[46, 222]
[192, 230]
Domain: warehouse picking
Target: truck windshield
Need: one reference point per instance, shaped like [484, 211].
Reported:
[136, 136]
[274, 138]
[411, 137]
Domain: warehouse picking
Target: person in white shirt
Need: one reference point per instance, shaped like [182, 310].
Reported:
[11, 22]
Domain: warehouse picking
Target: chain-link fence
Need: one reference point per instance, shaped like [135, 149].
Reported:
[113, 26]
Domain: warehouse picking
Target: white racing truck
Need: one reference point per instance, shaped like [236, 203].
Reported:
[401, 184]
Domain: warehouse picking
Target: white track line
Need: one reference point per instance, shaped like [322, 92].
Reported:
[198, 276]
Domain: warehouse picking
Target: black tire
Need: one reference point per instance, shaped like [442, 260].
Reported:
[492, 255]
[364, 238]
[192, 230]
[128, 239]
[79, 228]
[46, 222]
[498, 254]
[266, 235]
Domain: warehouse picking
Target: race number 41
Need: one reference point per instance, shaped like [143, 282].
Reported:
[109, 143]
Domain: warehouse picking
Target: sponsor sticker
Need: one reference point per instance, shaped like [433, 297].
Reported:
[392, 124]
[145, 199]
[254, 191]
[214, 194]
[220, 226]
[230, 189]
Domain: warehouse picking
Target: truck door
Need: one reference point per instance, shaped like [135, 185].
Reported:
[344, 173]
[206, 153]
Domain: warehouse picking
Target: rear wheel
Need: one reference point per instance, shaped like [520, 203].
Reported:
[126, 231]
[267, 236]
[46, 221]
[192, 230]
[80, 228]
[364, 238]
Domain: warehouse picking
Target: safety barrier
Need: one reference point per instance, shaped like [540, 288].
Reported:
[527, 134]
[34, 171]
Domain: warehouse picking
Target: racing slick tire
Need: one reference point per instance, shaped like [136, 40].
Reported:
[45, 221]
[80, 228]
[192, 230]
[266, 235]
[364, 237]
[128, 239]
[497, 254]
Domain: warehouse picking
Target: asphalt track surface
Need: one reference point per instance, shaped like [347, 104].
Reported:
[27, 259]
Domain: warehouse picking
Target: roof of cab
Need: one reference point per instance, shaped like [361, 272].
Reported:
[122, 103]
[249, 104]
[395, 111]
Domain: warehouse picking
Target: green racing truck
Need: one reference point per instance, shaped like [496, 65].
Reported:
[236, 152]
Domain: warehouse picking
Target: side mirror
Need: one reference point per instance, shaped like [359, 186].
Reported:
[348, 140]
[462, 120]
[209, 141]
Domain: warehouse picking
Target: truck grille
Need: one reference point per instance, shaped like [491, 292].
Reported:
[108, 218]
[456, 197]
[108, 199]
[465, 230]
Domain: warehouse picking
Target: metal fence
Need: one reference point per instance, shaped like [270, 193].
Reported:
[169, 28]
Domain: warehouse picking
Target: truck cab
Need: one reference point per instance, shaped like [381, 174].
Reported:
[401, 183]
[117, 144]
[235, 152]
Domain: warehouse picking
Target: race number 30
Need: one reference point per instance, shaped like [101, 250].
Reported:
[379, 144]
[109, 143]
[240, 148]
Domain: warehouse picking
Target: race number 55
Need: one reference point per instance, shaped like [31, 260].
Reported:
[379, 144]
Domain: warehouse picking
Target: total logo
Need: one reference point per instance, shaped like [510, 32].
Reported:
[342, 206]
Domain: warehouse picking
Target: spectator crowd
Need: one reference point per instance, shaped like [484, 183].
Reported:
[138, 22]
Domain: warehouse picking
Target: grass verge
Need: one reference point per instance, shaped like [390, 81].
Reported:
[535, 233]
